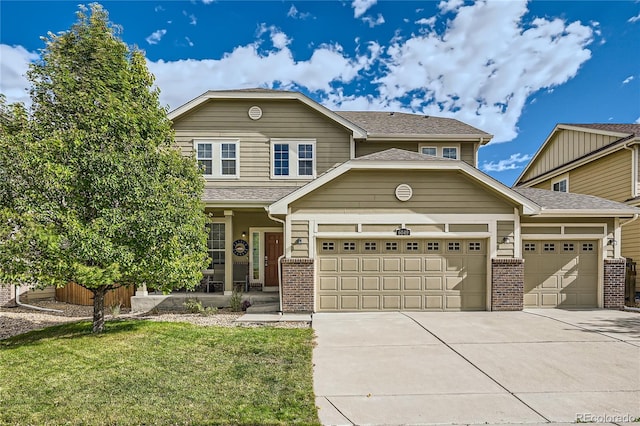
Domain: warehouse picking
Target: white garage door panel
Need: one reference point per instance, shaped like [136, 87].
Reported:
[561, 274]
[407, 279]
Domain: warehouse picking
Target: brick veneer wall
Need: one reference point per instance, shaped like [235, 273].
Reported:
[614, 270]
[297, 285]
[7, 296]
[507, 284]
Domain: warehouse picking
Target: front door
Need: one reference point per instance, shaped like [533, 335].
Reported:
[273, 244]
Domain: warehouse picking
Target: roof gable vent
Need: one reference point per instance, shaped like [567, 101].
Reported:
[255, 113]
[404, 192]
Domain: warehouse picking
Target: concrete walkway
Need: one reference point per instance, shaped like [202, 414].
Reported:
[536, 366]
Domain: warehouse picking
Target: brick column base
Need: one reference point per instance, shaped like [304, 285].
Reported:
[614, 270]
[297, 285]
[507, 284]
[7, 296]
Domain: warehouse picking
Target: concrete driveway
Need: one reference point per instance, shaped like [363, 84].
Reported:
[536, 366]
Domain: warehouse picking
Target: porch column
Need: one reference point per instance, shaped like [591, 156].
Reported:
[228, 252]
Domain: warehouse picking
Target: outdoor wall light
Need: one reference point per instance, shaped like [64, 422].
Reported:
[298, 241]
[612, 242]
[244, 234]
[506, 239]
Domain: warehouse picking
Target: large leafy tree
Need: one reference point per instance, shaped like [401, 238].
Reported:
[92, 190]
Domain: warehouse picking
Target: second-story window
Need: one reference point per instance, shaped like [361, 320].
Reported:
[450, 152]
[217, 159]
[430, 150]
[292, 159]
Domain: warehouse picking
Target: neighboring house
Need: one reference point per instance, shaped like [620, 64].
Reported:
[595, 159]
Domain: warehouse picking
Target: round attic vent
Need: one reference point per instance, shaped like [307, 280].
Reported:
[404, 192]
[255, 112]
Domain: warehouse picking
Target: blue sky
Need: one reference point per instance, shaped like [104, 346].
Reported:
[509, 67]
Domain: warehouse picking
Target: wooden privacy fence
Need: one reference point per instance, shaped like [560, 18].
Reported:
[77, 295]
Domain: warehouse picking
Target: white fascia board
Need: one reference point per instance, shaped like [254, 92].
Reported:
[358, 132]
[528, 206]
[587, 213]
[237, 204]
[412, 137]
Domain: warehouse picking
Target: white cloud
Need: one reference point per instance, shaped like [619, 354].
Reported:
[638, 120]
[485, 80]
[207, 1]
[628, 79]
[427, 21]
[193, 20]
[450, 5]
[156, 36]
[360, 7]
[189, 42]
[373, 22]
[296, 14]
[13, 68]
[634, 18]
[158, 9]
[513, 162]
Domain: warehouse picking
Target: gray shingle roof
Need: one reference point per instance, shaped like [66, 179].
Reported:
[629, 129]
[551, 200]
[398, 123]
[396, 154]
[247, 193]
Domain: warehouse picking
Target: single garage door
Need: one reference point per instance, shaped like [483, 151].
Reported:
[560, 274]
[402, 274]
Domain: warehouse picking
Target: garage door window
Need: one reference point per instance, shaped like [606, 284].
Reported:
[549, 247]
[328, 246]
[568, 247]
[349, 246]
[433, 246]
[370, 246]
[529, 246]
[453, 246]
[475, 246]
[391, 246]
[412, 246]
[586, 247]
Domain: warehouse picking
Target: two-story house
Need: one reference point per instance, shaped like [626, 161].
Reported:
[595, 159]
[346, 211]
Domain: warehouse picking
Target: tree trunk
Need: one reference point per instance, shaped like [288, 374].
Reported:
[98, 309]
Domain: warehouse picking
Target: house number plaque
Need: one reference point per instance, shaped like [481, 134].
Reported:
[403, 231]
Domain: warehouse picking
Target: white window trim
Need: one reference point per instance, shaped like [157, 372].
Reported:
[559, 179]
[216, 152]
[293, 158]
[428, 146]
[440, 149]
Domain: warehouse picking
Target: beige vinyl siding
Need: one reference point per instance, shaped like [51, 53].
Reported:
[280, 119]
[565, 146]
[631, 240]
[300, 229]
[505, 229]
[374, 191]
[467, 149]
[607, 177]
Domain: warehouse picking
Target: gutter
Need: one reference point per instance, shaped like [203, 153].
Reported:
[284, 226]
[37, 308]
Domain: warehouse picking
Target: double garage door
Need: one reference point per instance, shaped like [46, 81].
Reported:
[402, 274]
[560, 274]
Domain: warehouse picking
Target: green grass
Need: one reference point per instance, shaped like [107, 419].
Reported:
[142, 372]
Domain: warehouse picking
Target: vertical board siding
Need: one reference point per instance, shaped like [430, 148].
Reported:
[78, 295]
[565, 146]
[280, 119]
[300, 229]
[31, 295]
[631, 240]
[433, 192]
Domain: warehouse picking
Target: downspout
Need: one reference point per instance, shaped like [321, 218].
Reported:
[284, 226]
[37, 308]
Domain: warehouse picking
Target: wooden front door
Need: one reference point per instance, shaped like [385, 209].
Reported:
[273, 250]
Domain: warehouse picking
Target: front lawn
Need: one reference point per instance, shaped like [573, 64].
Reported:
[141, 372]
